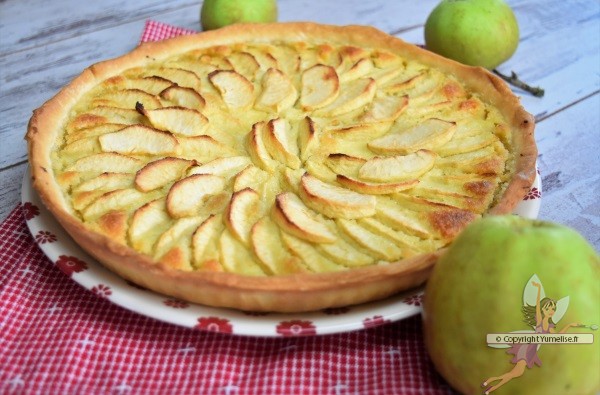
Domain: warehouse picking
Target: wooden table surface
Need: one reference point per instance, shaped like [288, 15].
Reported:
[44, 44]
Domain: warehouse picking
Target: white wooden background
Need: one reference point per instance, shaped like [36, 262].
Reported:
[44, 44]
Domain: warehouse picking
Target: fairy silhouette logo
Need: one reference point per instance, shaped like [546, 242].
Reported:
[542, 314]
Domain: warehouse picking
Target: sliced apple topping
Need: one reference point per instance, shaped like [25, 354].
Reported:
[147, 224]
[375, 188]
[106, 182]
[482, 161]
[93, 131]
[409, 244]
[223, 167]
[139, 139]
[236, 91]
[291, 178]
[161, 172]
[255, 146]
[186, 196]
[467, 144]
[320, 87]
[80, 148]
[181, 96]
[236, 258]
[173, 246]
[178, 120]
[295, 218]
[333, 201]
[205, 251]
[203, 148]
[377, 245]
[358, 70]
[313, 259]
[278, 92]
[243, 211]
[316, 166]
[308, 141]
[115, 200]
[352, 96]
[385, 109]
[244, 63]
[344, 164]
[103, 115]
[106, 162]
[364, 131]
[429, 134]
[127, 98]
[181, 77]
[268, 247]
[397, 168]
[345, 253]
[280, 144]
[250, 177]
[400, 217]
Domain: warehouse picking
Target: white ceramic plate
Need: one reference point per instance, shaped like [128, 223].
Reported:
[85, 270]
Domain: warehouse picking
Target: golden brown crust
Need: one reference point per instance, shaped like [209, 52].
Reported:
[280, 293]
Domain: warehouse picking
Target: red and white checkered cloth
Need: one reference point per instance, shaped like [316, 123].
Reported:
[58, 338]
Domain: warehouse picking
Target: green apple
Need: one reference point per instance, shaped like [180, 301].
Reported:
[218, 13]
[475, 32]
[478, 287]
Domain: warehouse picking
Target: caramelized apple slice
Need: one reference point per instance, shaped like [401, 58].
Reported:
[308, 140]
[358, 70]
[161, 172]
[365, 131]
[114, 200]
[280, 145]
[344, 164]
[178, 120]
[127, 98]
[244, 63]
[93, 131]
[242, 213]
[373, 188]
[173, 247]
[377, 245]
[278, 92]
[320, 87]
[295, 218]
[333, 201]
[236, 91]
[352, 96]
[203, 148]
[429, 134]
[385, 109]
[250, 177]
[223, 167]
[345, 253]
[397, 168]
[186, 196]
[315, 261]
[181, 96]
[181, 77]
[257, 150]
[205, 252]
[266, 242]
[236, 258]
[106, 182]
[106, 162]
[139, 139]
[148, 223]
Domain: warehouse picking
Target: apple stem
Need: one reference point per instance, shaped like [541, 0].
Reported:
[515, 81]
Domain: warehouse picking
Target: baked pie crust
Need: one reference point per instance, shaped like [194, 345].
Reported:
[279, 167]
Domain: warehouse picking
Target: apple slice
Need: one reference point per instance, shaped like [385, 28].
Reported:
[295, 218]
[118, 199]
[241, 213]
[400, 217]
[205, 252]
[364, 131]
[173, 247]
[466, 144]
[409, 244]
[377, 245]
[139, 139]
[93, 131]
[280, 145]
[352, 96]
[203, 148]
[244, 63]
[250, 177]
[266, 242]
[127, 98]
[397, 168]
[333, 201]
[429, 134]
[106, 182]
[255, 146]
[308, 141]
[236, 258]
[385, 109]
[313, 259]
[278, 92]
[375, 189]
[181, 77]
[101, 115]
[80, 148]
[291, 178]
[152, 85]
[344, 164]
[106, 162]
[178, 120]
[223, 167]
[161, 172]
[186, 196]
[236, 91]
[181, 96]
[358, 70]
[345, 253]
[316, 167]
[148, 223]
[320, 87]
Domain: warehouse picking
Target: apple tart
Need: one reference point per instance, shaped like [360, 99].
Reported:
[278, 167]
